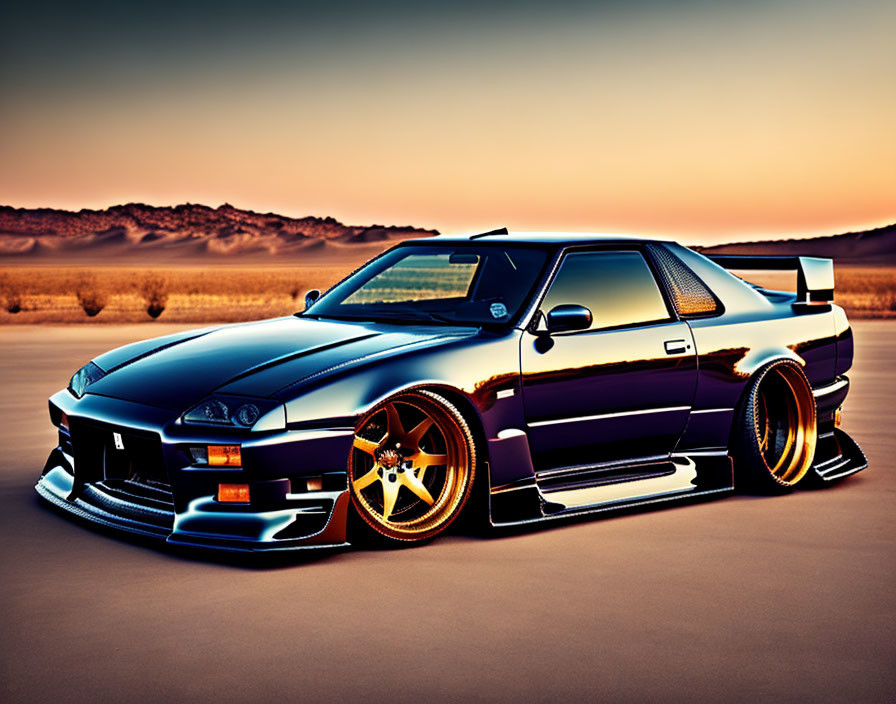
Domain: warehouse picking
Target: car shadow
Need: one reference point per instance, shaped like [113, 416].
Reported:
[467, 528]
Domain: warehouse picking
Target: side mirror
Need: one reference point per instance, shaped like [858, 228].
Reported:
[568, 317]
[310, 297]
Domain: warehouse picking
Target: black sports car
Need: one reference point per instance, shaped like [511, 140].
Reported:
[556, 374]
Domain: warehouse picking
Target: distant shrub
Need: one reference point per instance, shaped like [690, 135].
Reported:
[885, 302]
[92, 297]
[12, 297]
[12, 301]
[154, 291]
[294, 292]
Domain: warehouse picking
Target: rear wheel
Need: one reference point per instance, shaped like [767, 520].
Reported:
[412, 466]
[778, 430]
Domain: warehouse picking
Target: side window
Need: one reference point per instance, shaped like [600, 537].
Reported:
[617, 287]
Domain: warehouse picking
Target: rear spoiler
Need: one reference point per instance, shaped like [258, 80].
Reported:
[814, 278]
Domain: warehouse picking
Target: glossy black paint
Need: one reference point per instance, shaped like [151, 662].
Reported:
[600, 375]
[625, 416]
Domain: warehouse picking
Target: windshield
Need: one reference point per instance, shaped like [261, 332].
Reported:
[473, 284]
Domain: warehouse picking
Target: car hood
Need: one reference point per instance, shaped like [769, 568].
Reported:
[252, 359]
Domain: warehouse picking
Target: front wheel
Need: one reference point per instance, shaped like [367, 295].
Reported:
[412, 466]
[775, 441]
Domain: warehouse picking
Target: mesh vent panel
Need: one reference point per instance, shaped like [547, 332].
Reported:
[688, 293]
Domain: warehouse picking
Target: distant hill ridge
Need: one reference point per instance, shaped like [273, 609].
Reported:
[138, 232]
[870, 248]
[187, 229]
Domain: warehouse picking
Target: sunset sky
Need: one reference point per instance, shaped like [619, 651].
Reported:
[707, 121]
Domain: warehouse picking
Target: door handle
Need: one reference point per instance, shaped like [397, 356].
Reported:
[677, 346]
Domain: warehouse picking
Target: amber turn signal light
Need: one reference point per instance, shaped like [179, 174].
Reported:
[233, 493]
[838, 417]
[224, 456]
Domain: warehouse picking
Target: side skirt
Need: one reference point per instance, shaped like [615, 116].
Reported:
[610, 487]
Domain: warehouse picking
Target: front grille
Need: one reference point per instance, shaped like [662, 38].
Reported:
[129, 481]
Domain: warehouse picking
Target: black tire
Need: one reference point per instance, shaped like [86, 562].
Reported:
[411, 469]
[774, 438]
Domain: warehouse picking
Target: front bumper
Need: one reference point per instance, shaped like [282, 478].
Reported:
[153, 489]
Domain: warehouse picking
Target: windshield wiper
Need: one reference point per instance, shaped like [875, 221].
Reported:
[433, 315]
[443, 318]
[405, 313]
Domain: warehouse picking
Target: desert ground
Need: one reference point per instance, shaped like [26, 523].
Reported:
[744, 599]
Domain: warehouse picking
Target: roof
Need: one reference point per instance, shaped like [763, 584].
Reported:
[555, 238]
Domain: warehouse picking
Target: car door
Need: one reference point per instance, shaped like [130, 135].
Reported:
[620, 389]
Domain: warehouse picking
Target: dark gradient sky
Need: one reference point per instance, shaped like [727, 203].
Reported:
[710, 120]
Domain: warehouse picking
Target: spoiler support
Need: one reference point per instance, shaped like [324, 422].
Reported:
[814, 278]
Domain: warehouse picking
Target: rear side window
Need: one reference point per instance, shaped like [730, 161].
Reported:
[617, 287]
[689, 294]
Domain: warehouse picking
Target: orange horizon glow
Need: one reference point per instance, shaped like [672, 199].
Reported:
[707, 123]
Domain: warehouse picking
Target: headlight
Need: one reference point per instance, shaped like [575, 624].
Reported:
[211, 411]
[247, 414]
[84, 377]
[238, 412]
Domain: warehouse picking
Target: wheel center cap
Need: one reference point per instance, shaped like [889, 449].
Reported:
[389, 458]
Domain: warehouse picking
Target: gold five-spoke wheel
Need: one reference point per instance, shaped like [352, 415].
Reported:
[411, 467]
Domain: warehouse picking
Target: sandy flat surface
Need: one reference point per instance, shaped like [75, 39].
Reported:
[740, 599]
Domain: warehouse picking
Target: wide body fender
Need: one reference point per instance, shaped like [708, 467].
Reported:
[732, 349]
[481, 374]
